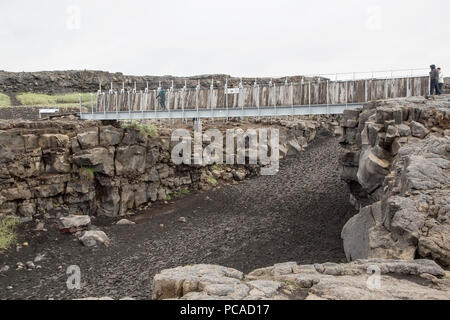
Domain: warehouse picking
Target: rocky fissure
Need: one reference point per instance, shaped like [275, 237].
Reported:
[69, 167]
[396, 162]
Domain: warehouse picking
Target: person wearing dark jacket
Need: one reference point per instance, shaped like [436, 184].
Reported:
[162, 98]
[434, 80]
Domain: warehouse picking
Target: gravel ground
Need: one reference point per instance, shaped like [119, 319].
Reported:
[296, 215]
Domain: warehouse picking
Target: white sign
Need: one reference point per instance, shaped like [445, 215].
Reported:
[232, 91]
[47, 111]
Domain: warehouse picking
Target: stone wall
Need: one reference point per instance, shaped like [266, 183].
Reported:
[398, 167]
[67, 166]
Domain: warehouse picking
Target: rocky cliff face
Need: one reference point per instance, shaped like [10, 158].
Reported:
[67, 166]
[52, 82]
[398, 161]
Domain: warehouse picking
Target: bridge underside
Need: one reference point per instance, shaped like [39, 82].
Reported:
[222, 113]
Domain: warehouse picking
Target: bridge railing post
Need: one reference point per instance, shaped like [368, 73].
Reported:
[386, 88]
[275, 98]
[129, 105]
[226, 98]
[365, 91]
[291, 92]
[211, 91]
[197, 91]
[346, 94]
[117, 106]
[309, 96]
[328, 106]
[92, 103]
[81, 107]
[155, 92]
[241, 97]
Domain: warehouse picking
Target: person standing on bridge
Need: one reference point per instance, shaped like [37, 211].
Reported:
[441, 80]
[434, 80]
[162, 97]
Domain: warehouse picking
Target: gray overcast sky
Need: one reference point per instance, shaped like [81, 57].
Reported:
[241, 38]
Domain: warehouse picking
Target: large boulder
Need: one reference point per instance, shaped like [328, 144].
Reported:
[92, 238]
[101, 159]
[355, 235]
[177, 282]
[130, 160]
[372, 170]
[110, 136]
[73, 223]
[88, 138]
[54, 142]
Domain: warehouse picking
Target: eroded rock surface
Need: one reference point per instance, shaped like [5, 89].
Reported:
[362, 279]
[398, 159]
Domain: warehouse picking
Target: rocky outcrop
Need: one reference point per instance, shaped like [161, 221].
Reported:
[398, 167]
[64, 167]
[52, 82]
[359, 280]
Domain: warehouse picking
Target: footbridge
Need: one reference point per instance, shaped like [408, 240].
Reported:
[313, 95]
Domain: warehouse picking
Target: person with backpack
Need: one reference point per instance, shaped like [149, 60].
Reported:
[162, 97]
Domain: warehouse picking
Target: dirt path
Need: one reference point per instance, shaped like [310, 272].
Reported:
[296, 215]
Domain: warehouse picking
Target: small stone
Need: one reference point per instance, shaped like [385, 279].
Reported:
[4, 269]
[73, 223]
[9, 287]
[39, 258]
[92, 237]
[25, 244]
[30, 265]
[161, 225]
[40, 227]
[418, 130]
[20, 266]
[125, 222]
[182, 220]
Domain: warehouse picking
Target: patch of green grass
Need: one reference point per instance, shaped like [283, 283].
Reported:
[181, 192]
[185, 191]
[212, 180]
[39, 99]
[145, 129]
[169, 197]
[292, 285]
[5, 101]
[216, 167]
[88, 173]
[7, 232]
